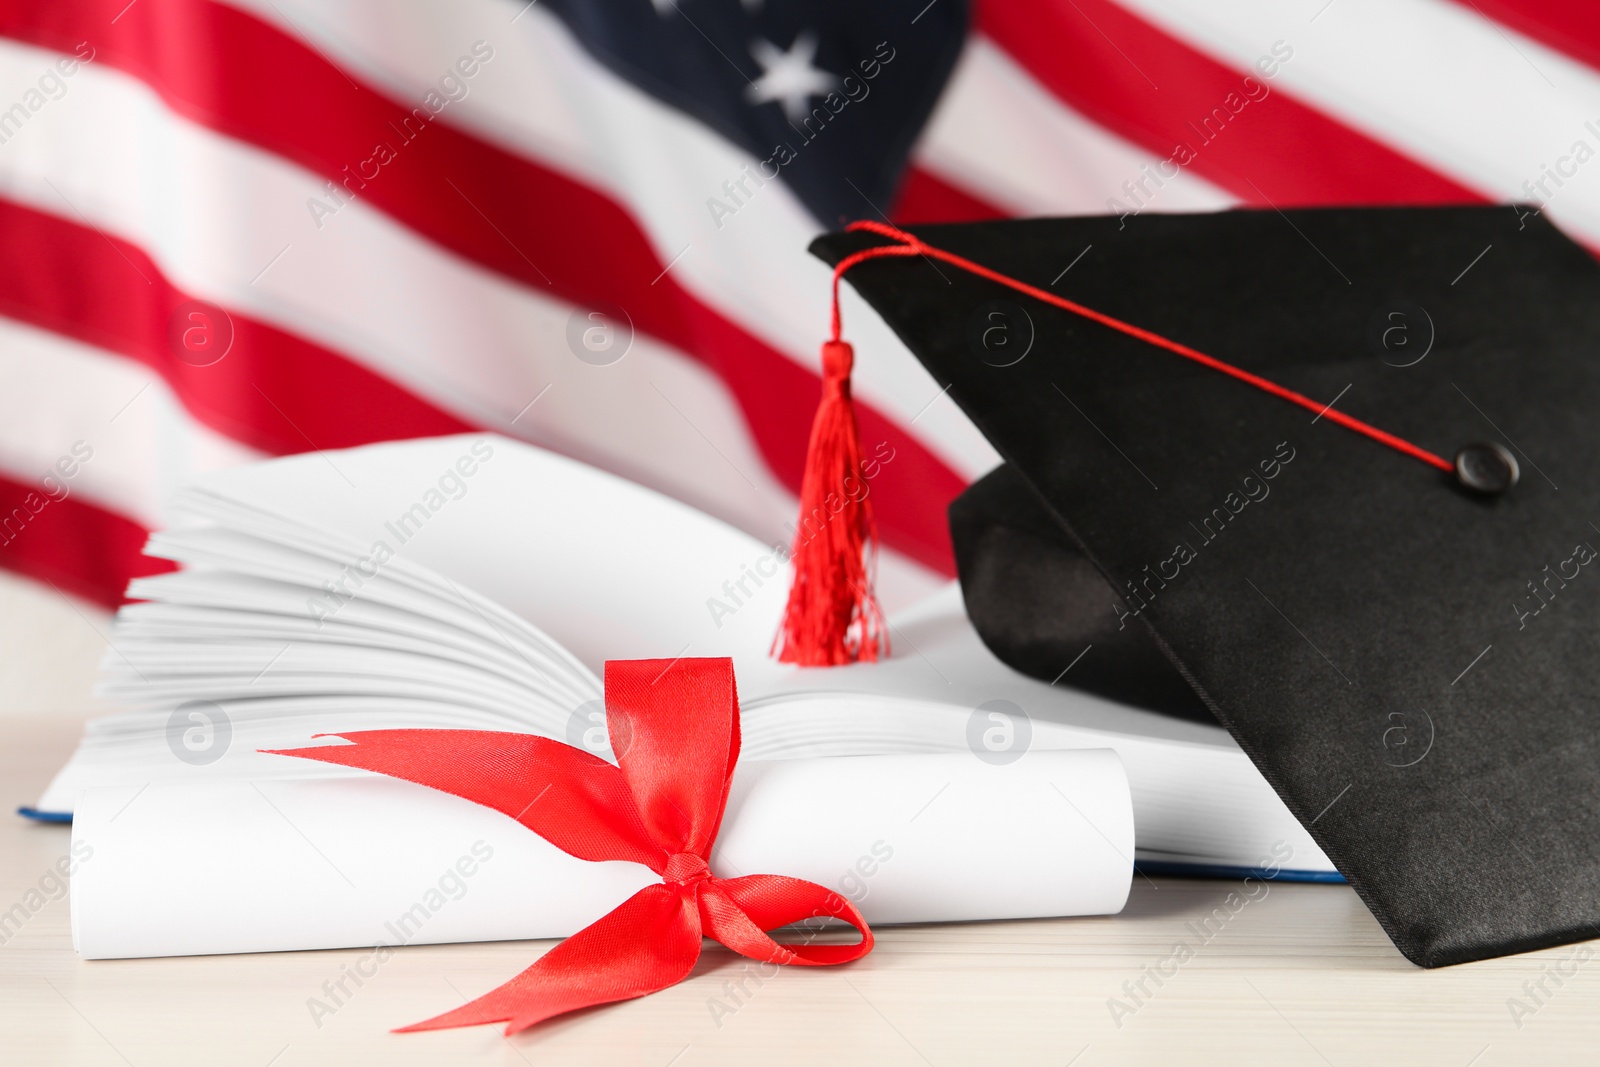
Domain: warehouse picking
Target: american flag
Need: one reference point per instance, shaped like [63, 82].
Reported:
[246, 228]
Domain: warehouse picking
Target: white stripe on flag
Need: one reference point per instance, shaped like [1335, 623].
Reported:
[1003, 137]
[141, 442]
[1467, 96]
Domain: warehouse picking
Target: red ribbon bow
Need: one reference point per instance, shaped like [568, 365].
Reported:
[661, 806]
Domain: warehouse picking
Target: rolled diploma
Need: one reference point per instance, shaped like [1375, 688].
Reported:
[173, 870]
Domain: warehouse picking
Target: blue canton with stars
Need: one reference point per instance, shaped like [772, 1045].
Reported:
[828, 96]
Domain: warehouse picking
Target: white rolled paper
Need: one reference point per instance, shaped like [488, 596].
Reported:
[175, 870]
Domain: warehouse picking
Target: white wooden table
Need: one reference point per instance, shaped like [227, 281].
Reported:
[1302, 975]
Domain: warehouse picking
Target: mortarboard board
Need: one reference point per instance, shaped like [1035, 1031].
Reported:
[1411, 663]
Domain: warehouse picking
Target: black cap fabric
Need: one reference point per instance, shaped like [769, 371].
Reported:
[1041, 606]
[1413, 665]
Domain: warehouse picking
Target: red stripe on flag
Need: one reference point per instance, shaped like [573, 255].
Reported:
[234, 73]
[925, 197]
[1570, 26]
[83, 549]
[1159, 92]
[272, 390]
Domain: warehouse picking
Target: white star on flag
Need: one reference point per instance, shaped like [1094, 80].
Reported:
[788, 77]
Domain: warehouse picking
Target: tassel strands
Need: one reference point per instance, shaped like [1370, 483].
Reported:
[832, 616]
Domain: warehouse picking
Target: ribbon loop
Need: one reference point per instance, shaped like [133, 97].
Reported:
[683, 722]
[739, 912]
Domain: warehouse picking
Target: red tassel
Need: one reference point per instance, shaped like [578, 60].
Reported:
[833, 617]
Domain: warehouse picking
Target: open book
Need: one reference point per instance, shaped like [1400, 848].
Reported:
[474, 582]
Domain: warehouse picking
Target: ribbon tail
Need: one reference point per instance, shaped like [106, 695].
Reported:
[576, 801]
[648, 942]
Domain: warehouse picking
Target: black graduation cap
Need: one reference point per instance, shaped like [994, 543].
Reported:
[1404, 639]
